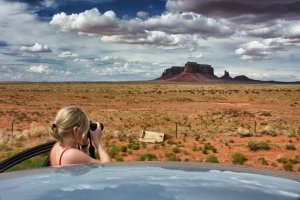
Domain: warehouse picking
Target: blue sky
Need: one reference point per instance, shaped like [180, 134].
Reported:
[118, 40]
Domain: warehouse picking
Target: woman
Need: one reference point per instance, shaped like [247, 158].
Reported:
[69, 130]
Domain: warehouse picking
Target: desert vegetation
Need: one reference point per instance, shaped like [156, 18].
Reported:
[250, 124]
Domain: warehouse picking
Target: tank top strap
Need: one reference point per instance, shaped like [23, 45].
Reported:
[62, 155]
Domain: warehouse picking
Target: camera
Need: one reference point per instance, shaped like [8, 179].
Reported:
[93, 126]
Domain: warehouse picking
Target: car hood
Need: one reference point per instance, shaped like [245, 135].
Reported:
[147, 180]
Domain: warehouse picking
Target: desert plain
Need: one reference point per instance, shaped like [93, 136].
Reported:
[256, 125]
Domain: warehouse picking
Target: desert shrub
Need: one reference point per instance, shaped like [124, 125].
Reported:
[283, 160]
[263, 160]
[297, 158]
[268, 130]
[147, 157]
[212, 159]
[5, 147]
[144, 145]
[113, 150]
[210, 147]
[274, 164]
[176, 150]
[123, 148]
[291, 132]
[290, 147]
[119, 158]
[288, 167]
[255, 145]
[172, 157]
[265, 114]
[197, 137]
[133, 146]
[19, 143]
[170, 142]
[238, 158]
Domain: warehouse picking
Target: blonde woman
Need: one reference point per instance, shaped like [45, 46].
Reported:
[69, 130]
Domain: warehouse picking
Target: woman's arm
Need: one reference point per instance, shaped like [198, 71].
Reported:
[104, 157]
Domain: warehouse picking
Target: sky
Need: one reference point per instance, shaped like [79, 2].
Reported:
[128, 40]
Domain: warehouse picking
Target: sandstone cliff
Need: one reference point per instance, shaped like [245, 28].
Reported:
[191, 72]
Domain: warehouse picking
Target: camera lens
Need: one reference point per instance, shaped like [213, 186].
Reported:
[93, 126]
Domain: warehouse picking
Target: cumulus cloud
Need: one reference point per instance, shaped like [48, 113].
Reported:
[168, 29]
[36, 48]
[67, 54]
[38, 69]
[257, 50]
[89, 22]
[239, 10]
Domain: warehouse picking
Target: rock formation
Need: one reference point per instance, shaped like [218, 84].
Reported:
[226, 76]
[191, 72]
[171, 72]
[194, 72]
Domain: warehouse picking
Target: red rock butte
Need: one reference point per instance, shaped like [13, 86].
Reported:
[194, 72]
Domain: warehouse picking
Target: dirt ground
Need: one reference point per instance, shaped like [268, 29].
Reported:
[261, 121]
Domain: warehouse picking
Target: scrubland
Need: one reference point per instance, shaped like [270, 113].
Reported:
[247, 124]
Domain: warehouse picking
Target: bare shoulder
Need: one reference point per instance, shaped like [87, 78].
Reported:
[75, 156]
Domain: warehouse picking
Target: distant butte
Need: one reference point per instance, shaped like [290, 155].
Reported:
[194, 72]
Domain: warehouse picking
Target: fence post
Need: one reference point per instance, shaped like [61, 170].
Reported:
[176, 130]
[12, 126]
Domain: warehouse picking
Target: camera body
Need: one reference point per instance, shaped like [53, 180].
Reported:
[93, 127]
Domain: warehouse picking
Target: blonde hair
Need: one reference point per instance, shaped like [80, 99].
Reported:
[66, 119]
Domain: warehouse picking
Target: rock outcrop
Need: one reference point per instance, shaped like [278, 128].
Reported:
[171, 72]
[191, 72]
[242, 78]
[194, 72]
[226, 76]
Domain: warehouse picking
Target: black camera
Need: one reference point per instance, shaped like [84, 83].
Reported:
[93, 126]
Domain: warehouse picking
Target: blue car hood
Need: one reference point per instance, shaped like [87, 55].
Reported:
[147, 180]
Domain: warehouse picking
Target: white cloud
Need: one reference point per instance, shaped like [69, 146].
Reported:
[169, 29]
[67, 54]
[89, 22]
[113, 59]
[142, 14]
[80, 60]
[36, 48]
[48, 3]
[257, 50]
[39, 69]
[196, 56]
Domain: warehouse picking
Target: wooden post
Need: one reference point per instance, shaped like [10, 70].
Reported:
[12, 126]
[176, 130]
[255, 126]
